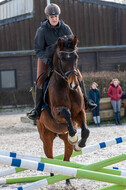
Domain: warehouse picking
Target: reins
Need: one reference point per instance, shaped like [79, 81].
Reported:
[35, 83]
[63, 77]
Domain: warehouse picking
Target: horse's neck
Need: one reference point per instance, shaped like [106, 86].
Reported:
[56, 63]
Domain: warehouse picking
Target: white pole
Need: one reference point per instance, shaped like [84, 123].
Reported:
[48, 2]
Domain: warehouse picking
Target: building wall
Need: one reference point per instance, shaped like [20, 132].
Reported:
[22, 66]
[100, 27]
[94, 22]
[92, 59]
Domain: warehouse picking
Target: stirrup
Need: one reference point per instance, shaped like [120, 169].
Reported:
[95, 105]
[30, 112]
[34, 115]
[91, 105]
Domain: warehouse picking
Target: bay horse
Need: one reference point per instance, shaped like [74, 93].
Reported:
[65, 101]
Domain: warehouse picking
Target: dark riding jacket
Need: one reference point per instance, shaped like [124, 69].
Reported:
[94, 94]
[47, 35]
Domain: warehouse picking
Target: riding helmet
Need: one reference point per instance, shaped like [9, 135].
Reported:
[52, 10]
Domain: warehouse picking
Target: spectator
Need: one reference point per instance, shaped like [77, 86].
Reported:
[94, 95]
[115, 93]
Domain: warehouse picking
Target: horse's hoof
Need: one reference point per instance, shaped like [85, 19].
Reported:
[77, 148]
[68, 183]
[51, 174]
[73, 140]
[81, 143]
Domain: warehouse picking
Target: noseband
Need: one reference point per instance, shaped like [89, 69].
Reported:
[65, 75]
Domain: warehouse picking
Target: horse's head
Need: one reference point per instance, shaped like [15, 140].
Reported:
[66, 60]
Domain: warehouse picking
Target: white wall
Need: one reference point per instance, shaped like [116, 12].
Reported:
[15, 8]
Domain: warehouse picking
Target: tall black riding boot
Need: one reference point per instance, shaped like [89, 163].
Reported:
[88, 103]
[36, 112]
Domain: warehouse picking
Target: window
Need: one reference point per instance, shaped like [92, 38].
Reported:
[8, 79]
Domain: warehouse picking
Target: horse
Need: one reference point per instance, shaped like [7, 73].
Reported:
[65, 101]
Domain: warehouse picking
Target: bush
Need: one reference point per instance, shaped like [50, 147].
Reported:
[103, 79]
[16, 97]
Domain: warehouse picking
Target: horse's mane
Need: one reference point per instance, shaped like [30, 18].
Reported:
[51, 50]
[67, 42]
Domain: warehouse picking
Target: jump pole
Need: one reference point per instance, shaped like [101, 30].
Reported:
[74, 165]
[60, 157]
[22, 179]
[111, 160]
[93, 147]
[95, 166]
[72, 172]
[113, 187]
[42, 183]
[84, 150]
[52, 180]
[97, 146]
[11, 171]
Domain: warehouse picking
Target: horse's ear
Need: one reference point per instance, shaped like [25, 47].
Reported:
[60, 43]
[75, 41]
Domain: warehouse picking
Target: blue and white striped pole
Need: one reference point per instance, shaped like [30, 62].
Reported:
[8, 172]
[103, 144]
[34, 185]
[87, 149]
[42, 183]
[18, 155]
[84, 150]
[33, 165]
[67, 171]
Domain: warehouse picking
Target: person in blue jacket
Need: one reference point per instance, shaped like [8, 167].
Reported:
[94, 95]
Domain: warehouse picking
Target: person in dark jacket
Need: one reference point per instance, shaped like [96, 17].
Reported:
[115, 93]
[47, 34]
[94, 94]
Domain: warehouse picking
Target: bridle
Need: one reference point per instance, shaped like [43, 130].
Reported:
[63, 74]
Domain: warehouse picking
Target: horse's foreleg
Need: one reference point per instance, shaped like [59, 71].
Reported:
[84, 135]
[81, 120]
[68, 151]
[48, 143]
[72, 133]
[68, 147]
[47, 138]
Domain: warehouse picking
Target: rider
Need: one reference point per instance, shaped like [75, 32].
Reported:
[47, 34]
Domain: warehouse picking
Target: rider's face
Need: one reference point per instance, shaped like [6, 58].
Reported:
[53, 20]
[116, 83]
[93, 86]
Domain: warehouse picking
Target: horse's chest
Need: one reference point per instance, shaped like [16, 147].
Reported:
[76, 100]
